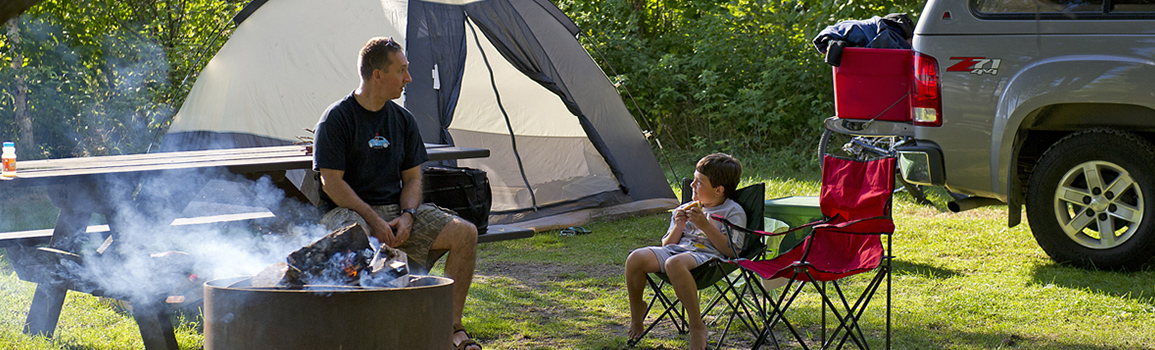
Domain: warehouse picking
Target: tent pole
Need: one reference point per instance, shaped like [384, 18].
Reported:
[642, 114]
[200, 55]
[508, 125]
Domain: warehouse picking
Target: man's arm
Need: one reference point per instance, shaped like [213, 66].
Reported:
[410, 199]
[334, 185]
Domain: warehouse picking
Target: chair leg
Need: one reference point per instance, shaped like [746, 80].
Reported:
[734, 300]
[714, 302]
[822, 291]
[677, 317]
[826, 302]
[849, 321]
[776, 312]
[864, 300]
[888, 290]
[739, 308]
[669, 310]
[860, 307]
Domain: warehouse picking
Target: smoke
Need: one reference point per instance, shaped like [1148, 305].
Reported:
[106, 94]
[149, 258]
[137, 101]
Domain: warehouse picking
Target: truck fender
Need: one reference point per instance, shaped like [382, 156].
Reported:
[1059, 80]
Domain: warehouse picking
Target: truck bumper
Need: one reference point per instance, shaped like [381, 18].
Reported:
[861, 127]
[921, 164]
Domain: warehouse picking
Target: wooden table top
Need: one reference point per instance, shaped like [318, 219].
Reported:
[237, 160]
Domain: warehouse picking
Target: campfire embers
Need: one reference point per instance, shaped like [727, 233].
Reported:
[344, 257]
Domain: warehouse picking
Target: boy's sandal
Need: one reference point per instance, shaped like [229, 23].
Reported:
[465, 344]
[574, 230]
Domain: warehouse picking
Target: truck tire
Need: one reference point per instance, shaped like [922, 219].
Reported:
[1089, 182]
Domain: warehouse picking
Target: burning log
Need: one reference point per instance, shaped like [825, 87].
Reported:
[386, 269]
[279, 275]
[336, 258]
[343, 257]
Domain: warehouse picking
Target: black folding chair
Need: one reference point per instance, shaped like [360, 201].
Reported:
[715, 274]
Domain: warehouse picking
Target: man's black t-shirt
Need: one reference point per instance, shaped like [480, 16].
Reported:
[371, 147]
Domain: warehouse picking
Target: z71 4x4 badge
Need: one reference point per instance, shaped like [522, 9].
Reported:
[976, 65]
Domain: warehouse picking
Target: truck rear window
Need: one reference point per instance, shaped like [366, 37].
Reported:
[1132, 6]
[1038, 6]
[1063, 9]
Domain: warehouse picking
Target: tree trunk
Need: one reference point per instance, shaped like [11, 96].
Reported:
[640, 8]
[23, 119]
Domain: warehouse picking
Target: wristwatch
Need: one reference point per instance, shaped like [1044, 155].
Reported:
[411, 211]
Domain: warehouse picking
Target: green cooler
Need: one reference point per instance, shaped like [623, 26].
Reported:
[794, 211]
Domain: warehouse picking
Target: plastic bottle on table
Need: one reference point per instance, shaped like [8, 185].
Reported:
[9, 160]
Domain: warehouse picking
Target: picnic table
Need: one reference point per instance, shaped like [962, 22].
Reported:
[80, 187]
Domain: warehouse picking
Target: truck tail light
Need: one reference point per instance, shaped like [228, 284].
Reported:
[926, 97]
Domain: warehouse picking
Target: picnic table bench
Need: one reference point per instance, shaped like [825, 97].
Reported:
[80, 187]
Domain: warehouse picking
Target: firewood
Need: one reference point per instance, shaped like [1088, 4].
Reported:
[279, 275]
[337, 258]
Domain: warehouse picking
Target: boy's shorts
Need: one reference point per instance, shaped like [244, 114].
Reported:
[428, 222]
[665, 252]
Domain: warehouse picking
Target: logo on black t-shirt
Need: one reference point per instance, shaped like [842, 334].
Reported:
[378, 142]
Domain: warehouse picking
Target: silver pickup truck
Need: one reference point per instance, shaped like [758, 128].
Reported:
[1047, 103]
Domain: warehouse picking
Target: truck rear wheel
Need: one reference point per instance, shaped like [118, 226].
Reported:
[1091, 197]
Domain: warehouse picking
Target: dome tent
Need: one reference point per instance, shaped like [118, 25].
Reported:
[505, 75]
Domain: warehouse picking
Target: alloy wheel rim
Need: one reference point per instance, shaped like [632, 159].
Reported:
[1098, 204]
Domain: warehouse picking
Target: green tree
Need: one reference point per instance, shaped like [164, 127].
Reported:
[722, 75]
[20, 85]
[103, 76]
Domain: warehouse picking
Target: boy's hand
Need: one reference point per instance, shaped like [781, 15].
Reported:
[697, 216]
[680, 216]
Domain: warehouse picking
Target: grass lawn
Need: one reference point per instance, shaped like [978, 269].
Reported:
[961, 281]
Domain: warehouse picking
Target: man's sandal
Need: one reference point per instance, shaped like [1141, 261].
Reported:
[465, 344]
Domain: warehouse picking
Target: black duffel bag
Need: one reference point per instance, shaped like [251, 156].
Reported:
[463, 190]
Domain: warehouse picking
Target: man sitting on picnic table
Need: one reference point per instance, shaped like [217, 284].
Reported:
[369, 153]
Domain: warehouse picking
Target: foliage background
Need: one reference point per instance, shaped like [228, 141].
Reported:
[737, 76]
[104, 75]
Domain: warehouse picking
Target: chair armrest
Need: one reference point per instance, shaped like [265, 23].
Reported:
[873, 225]
[764, 233]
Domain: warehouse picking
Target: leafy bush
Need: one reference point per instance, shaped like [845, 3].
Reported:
[102, 76]
[707, 75]
[722, 75]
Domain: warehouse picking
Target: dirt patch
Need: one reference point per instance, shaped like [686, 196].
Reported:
[543, 276]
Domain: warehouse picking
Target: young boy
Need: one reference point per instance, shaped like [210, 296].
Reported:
[692, 239]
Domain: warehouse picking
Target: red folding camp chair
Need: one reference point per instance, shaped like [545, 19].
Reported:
[855, 200]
